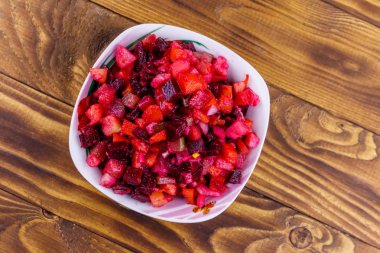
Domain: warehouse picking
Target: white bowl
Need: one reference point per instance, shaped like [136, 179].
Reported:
[178, 210]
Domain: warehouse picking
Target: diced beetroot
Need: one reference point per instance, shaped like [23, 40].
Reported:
[240, 160]
[159, 199]
[241, 86]
[189, 195]
[141, 133]
[196, 146]
[175, 128]
[199, 99]
[200, 115]
[190, 83]
[133, 175]
[140, 145]
[217, 184]
[167, 108]
[148, 42]
[237, 130]
[141, 197]
[163, 64]
[153, 114]
[159, 80]
[204, 67]
[165, 180]
[119, 138]
[235, 177]
[160, 136]
[124, 58]
[170, 189]
[115, 168]
[127, 128]
[145, 102]
[201, 200]
[220, 68]
[117, 84]
[179, 66]
[133, 114]
[97, 154]
[119, 151]
[121, 189]
[251, 140]
[116, 108]
[218, 131]
[93, 160]
[99, 75]
[225, 104]
[229, 153]
[94, 113]
[171, 91]
[138, 159]
[241, 146]
[194, 133]
[83, 121]
[247, 97]
[123, 74]
[105, 94]
[110, 125]
[223, 164]
[107, 180]
[161, 167]
[89, 137]
[177, 145]
[130, 100]
[187, 177]
[202, 189]
[203, 56]
[83, 105]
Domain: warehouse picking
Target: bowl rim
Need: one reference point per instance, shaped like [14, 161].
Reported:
[73, 133]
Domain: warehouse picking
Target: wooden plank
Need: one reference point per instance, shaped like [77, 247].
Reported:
[27, 228]
[36, 166]
[308, 48]
[51, 44]
[322, 165]
[368, 10]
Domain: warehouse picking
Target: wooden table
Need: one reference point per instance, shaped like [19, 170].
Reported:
[317, 184]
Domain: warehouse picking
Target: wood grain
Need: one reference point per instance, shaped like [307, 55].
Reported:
[308, 48]
[44, 175]
[321, 165]
[52, 44]
[368, 10]
[36, 166]
[27, 228]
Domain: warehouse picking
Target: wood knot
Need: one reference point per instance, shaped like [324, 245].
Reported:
[49, 215]
[300, 237]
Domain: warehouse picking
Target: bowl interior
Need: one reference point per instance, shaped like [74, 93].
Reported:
[177, 210]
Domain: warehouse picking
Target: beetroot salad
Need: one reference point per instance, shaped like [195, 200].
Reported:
[166, 121]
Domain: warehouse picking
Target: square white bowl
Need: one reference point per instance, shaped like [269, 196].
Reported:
[178, 210]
